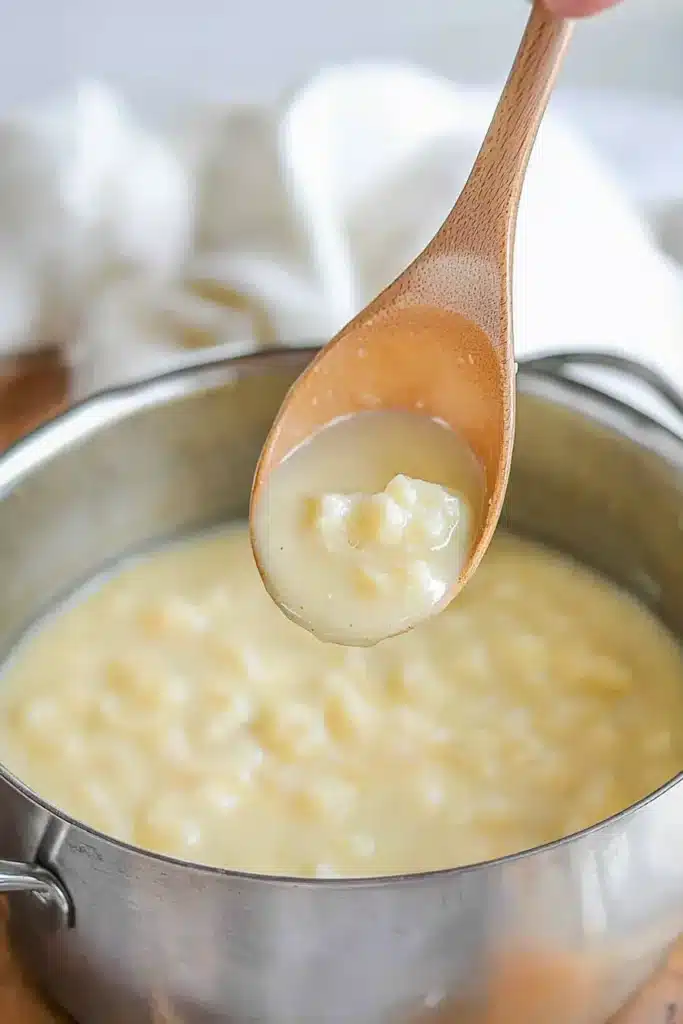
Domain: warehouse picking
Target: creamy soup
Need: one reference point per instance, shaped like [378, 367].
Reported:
[363, 530]
[175, 707]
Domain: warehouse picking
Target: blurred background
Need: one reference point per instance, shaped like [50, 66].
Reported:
[254, 48]
[621, 89]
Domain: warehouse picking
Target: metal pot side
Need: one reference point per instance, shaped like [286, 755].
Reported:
[563, 933]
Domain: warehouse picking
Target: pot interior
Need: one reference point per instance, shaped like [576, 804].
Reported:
[177, 455]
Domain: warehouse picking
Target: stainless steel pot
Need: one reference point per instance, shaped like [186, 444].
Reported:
[120, 936]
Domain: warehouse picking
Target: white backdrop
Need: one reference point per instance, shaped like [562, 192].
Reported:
[237, 48]
[622, 87]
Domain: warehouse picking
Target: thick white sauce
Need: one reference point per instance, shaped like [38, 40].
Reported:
[175, 707]
[363, 530]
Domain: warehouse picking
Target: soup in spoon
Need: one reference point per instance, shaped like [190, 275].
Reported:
[363, 530]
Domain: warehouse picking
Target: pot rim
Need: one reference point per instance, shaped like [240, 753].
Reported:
[549, 377]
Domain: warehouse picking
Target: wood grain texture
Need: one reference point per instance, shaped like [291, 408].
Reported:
[35, 388]
[442, 331]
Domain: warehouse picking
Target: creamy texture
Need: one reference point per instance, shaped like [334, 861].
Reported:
[174, 706]
[363, 530]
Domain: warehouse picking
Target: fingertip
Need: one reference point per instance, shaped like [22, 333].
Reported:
[578, 8]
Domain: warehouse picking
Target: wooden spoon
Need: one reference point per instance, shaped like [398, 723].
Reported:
[439, 339]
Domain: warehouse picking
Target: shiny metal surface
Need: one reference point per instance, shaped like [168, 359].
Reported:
[153, 939]
[17, 877]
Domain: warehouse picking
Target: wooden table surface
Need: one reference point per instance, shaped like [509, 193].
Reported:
[34, 388]
[31, 389]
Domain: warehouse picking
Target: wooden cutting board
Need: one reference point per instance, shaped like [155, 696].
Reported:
[34, 388]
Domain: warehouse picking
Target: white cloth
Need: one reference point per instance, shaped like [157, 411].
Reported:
[133, 247]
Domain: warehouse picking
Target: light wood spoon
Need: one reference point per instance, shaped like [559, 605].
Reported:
[439, 339]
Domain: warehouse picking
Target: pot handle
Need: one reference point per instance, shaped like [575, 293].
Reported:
[563, 363]
[46, 887]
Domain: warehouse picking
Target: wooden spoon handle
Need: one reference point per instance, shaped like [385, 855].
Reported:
[483, 220]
